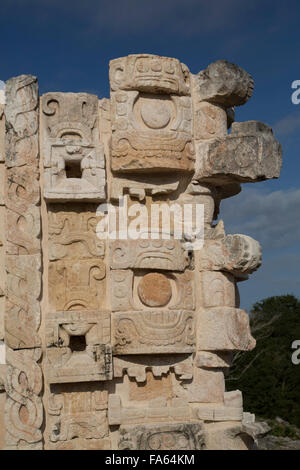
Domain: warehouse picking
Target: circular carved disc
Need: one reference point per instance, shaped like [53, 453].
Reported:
[156, 114]
[155, 290]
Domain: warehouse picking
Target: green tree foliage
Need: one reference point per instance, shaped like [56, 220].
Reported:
[270, 382]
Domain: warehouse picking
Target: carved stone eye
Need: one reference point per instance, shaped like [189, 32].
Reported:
[156, 113]
[155, 290]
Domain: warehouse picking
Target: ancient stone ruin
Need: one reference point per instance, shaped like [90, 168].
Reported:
[123, 343]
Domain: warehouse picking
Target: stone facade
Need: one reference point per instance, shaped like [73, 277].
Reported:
[115, 343]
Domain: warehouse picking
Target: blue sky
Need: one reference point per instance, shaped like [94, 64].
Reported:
[68, 45]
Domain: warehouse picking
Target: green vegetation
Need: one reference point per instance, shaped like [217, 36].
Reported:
[270, 382]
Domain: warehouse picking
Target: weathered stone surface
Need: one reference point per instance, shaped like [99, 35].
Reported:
[151, 123]
[23, 407]
[2, 133]
[224, 328]
[72, 233]
[137, 334]
[153, 332]
[223, 83]
[22, 318]
[22, 121]
[148, 254]
[77, 284]
[249, 154]
[138, 188]
[149, 73]
[74, 159]
[218, 289]
[136, 366]
[216, 359]
[157, 411]
[131, 290]
[179, 436]
[238, 254]
[78, 418]
[206, 386]
[78, 348]
[227, 436]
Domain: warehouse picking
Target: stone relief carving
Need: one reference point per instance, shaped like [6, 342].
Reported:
[73, 155]
[136, 334]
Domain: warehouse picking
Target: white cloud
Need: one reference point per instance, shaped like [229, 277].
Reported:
[288, 125]
[2, 92]
[270, 217]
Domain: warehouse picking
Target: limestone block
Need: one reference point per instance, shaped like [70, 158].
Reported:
[94, 325]
[218, 289]
[138, 188]
[2, 377]
[149, 73]
[237, 254]
[217, 413]
[151, 123]
[148, 254]
[216, 359]
[223, 83]
[153, 412]
[153, 332]
[23, 407]
[250, 154]
[224, 328]
[21, 114]
[2, 133]
[168, 436]
[78, 419]
[78, 348]
[211, 120]
[233, 399]
[226, 436]
[72, 233]
[134, 291]
[22, 316]
[74, 159]
[77, 284]
[207, 386]
[136, 366]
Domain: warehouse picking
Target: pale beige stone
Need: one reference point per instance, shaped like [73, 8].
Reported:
[207, 386]
[218, 289]
[136, 366]
[149, 73]
[224, 328]
[72, 233]
[128, 291]
[77, 284]
[74, 158]
[78, 348]
[153, 332]
[157, 410]
[249, 154]
[2, 133]
[23, 407]
[22, 118]
[148, 254]
[223, 83]
[151, 124]
[138, 188]
[167, 436]
[238, 254]
[211, 121]
[227, 436]
[216, 359]
[22, 316]
[136, 335]
[78, 415]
